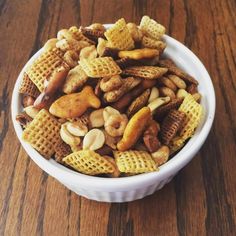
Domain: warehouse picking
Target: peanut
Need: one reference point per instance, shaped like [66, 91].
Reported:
[77, 129]
[94, 139]
[67, 137]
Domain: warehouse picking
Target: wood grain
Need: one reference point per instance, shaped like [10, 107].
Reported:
[201, 200]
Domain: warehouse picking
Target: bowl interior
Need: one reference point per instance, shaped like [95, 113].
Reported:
[186, 60]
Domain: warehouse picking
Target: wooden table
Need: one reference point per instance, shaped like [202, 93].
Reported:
[201, 200]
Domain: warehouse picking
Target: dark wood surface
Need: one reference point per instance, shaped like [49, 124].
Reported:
[201, 200]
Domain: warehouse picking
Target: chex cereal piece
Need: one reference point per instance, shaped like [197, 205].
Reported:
[78, 35]
[61, 150]
[127, 62]
[151, 28]
[138, 103]
[100, 67]
[89, 162]
[193, 112]
[145, 72]
[27, 87]
[177, 71]
[43, 133]
[75, 79]
[92, 34]
[43, 67]
[170, 125]
[163, 110]
[152, 43]
[119, 37]
[134, 162]
[84, 119]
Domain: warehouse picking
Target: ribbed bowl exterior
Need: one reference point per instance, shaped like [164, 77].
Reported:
[119, 196]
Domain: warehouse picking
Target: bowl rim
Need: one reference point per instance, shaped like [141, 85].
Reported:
[172, 166]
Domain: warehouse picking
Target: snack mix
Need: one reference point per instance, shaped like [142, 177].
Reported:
[107, 102]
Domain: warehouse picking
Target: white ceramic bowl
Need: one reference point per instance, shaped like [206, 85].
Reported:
[133, 187]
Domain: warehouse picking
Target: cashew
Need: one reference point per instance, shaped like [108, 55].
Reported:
[67, 137]
[96, 118]
[31, 111]
[181, 93]
[161, 155]
[109, 111]
[158, 102]
[77, 129]
[165, 91]
[94, 139]
[154, 94]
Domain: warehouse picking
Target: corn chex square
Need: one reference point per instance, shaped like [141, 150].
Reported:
[42, 67]
[89, 162]
[100, 67]
[134, 162]
[151, 28]
[119, 37]
[43, 133]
